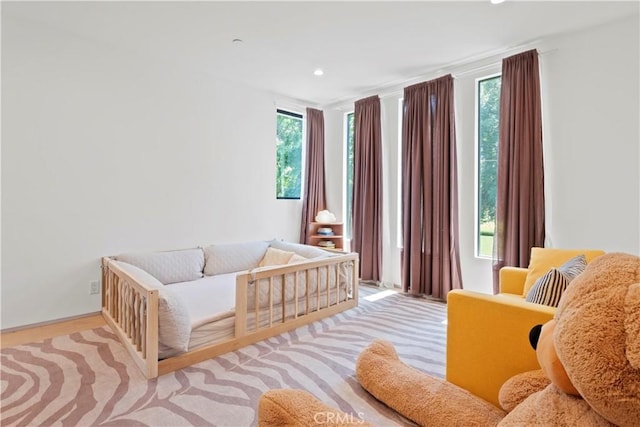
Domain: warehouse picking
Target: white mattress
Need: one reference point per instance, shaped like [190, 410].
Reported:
[210, 302]
[223, 328]
[208, 299]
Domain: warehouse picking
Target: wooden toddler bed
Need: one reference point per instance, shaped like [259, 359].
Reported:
[288, 296]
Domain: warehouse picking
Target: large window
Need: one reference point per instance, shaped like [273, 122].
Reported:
[399, 231]
[350, 142]
[488, 119]
[288, 155]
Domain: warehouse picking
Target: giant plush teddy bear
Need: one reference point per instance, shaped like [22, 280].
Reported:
[589, 354]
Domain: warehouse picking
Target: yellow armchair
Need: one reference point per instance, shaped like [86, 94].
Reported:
[488, 335]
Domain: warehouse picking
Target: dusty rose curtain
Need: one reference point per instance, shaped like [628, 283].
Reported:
[430, 255]
[520, 193]
[366, 225]
[314, 198]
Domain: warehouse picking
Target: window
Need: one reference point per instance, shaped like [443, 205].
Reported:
[488, 119]
[399, 232]
[350, 143]
[288, 155]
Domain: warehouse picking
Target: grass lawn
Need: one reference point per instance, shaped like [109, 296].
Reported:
[486, 246]
[486, 239]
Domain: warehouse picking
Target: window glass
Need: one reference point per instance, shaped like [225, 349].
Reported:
[399, 236]
[350, 142]
[288, 155]
[488, 120]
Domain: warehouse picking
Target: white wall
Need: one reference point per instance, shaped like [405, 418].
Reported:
[105, 152]
[591, 138]
[591, 101]
[334, 150]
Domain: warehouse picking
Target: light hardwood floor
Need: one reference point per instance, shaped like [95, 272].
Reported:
[39, 333]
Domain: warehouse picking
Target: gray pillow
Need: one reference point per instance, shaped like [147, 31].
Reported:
[573, 267]
[169, 267]
[174, 323]
[232, 257]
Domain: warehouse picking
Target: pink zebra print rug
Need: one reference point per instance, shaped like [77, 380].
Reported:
[87, 379]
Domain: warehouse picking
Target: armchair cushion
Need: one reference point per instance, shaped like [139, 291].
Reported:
[544, 259]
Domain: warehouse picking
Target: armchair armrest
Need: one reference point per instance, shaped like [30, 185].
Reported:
[488, 340]
[512, 280]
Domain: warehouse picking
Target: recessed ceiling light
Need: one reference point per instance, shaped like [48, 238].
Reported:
[318, 72]
[497, 1]
[237, 41]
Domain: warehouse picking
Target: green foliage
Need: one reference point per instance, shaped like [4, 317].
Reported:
[488, 125]
[288, 157]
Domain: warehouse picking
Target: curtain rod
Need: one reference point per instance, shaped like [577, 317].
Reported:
[493, 64]
[283, 102]
[398, 88]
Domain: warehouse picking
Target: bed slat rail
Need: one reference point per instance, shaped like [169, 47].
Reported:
[324, 287]
[131, 310]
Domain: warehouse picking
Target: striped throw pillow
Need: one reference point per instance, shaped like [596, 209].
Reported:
[549, 288]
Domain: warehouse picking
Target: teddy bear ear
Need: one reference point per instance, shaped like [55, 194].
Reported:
[632, 324]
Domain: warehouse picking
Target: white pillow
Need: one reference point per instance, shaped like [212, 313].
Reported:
[174, 323]
[296, 258]
[275, 256]
[169, 267]
[233, 257]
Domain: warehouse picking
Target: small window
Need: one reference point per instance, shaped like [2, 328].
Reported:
[349, 154]
[487, 120]
[288, 155]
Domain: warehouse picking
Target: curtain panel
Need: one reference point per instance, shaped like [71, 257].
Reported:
[314, 197]
[366, 225]
[430, 254]
[520, 218]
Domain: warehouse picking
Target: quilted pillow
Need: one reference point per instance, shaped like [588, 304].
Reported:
[548, 289]
[174, 324]
[168, 267]
[233, 257]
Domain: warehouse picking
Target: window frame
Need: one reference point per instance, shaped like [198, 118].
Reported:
[301, 116]
[477, 180]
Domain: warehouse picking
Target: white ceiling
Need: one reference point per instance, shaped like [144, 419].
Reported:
[360, 45]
